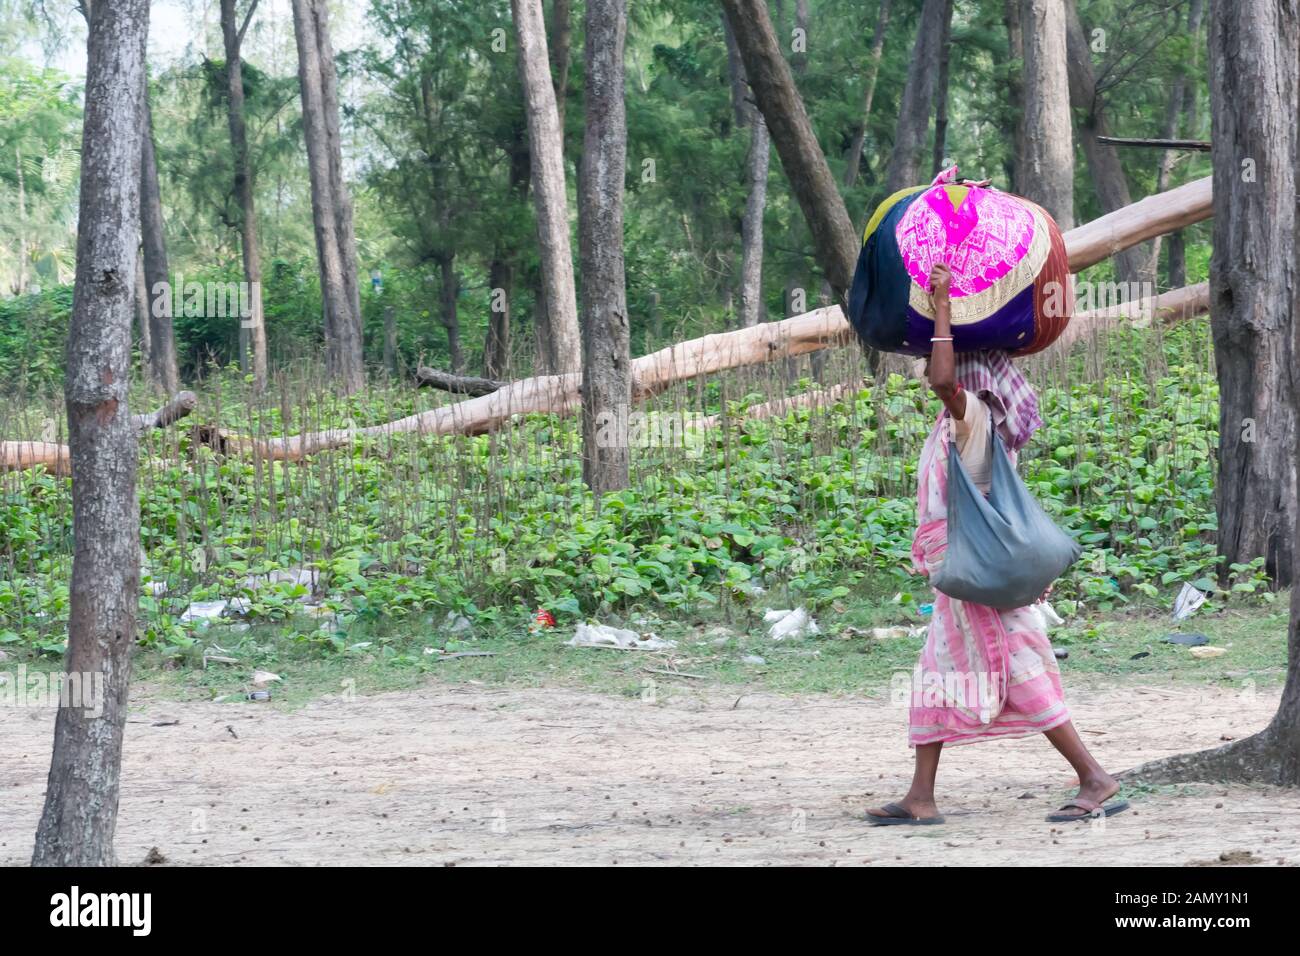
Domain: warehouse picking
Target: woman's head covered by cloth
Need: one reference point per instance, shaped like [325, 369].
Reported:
[993, 377]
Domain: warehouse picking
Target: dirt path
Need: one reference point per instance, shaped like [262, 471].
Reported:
[470, 774]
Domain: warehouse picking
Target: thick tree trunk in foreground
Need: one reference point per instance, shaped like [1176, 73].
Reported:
[80, 814]
[252, 329]
[1253, 277]
[787, 122]
[557, 324]
[330, 205]
[606, 333]
[153, 239]
[854, 159]
[1045, 169]
[1104, 167]
[1253, 280]
[918, 99]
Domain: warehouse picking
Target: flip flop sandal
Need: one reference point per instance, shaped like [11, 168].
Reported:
[1090, 810]
[900, 817]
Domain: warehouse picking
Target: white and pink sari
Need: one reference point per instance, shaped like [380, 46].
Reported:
[983, 673]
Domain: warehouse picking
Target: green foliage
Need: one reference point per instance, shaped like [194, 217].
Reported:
[810, 508]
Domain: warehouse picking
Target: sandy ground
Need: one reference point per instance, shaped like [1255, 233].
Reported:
[459, 775]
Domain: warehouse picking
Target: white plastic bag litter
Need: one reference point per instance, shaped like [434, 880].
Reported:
[1047, 616]
[1188, 600]
[602, 635]
[204, 611]
[790, 623]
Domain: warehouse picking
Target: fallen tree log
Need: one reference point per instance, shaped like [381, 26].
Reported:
[558, 394]
[17, 455]
[1145, 219]
[1166, 308]
[181, 404]
[787, 404]
[426, 377]
[1195, 145]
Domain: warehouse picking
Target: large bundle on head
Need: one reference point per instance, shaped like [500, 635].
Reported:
[1011, 285]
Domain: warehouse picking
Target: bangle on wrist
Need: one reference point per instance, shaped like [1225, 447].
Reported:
[941, 338]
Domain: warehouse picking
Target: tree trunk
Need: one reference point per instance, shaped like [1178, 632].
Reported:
[331, 207]
[162, 337]
[562, 32]
[390, 341]
[1253, 277]
[253, 326]
[918, 99]
[854, 159]
[1181, 116]
[606, 339]
[20, 286]
[80, 813]
[1046, 165]
[557, 323]
[501, 272]
[496, 349]
[756, 170]
[1012, 122]
[941, 95]
[1255, 291]
[448, 294]
[787, 122]
[1135, 264]
[751, 229]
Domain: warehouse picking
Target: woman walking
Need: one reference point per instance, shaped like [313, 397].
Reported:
[984, 673]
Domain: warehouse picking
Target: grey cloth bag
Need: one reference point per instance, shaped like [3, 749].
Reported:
[1003, 551]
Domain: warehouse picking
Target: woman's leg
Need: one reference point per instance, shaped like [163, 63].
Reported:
[1094, 783]
[920, 796]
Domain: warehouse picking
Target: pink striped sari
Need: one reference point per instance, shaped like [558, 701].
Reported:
[983, 673]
